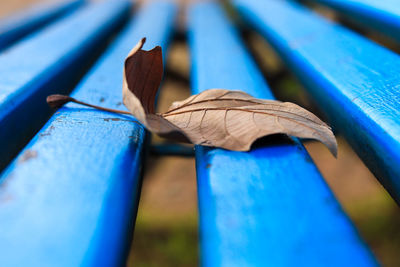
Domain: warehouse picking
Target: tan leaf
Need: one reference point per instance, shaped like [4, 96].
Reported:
[217, 117]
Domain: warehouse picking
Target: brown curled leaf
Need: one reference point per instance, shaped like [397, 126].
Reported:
[217, 117]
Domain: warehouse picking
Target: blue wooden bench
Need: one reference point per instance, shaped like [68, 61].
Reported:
[255, 209]
[80, 211]
[41, 65]
[18, 25]
[357, 88]
[71, 194]
[383, 16]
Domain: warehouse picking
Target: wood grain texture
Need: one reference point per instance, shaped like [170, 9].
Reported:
[269, 206]
[381, 15]
[355, 81]
[70, 197]
[16, 26]
[49, 61]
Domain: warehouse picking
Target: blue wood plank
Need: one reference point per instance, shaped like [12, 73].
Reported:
[20, 24]
[70, 198]
[355, 81]
[381, 15]
[47, 62]
[269, 206]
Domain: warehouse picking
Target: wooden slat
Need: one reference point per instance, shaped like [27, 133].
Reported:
[355, 81]
[48, 62]
[381, 15]
[269, 206]
[70, 198]
[20, 24]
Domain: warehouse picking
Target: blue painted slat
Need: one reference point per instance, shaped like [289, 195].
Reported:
[269, 206]
[47, 62]
[381, 15]
[355, 81]
[70, 198]
[18, 25]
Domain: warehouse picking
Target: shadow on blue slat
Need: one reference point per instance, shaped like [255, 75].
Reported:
[355, 81]
[50, 61]
[18, 25]
[381, 15]
[70, 198]
[269, 206]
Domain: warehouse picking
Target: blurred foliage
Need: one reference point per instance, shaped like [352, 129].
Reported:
[378, 221]
[168, 243]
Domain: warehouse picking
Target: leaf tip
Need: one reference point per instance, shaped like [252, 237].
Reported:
[330, 142]
[334, 149]
[142, 42]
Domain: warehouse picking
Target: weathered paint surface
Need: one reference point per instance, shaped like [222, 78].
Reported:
[49, 61]
[20, 24]
[381, 15]
[70, 197]
[269, 206]
[354, 80]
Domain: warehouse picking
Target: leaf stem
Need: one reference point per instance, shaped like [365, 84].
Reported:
[57, 101]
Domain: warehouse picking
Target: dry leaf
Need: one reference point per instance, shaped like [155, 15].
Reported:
[220, 118]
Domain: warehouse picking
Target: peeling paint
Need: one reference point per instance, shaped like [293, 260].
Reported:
[28, 154]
